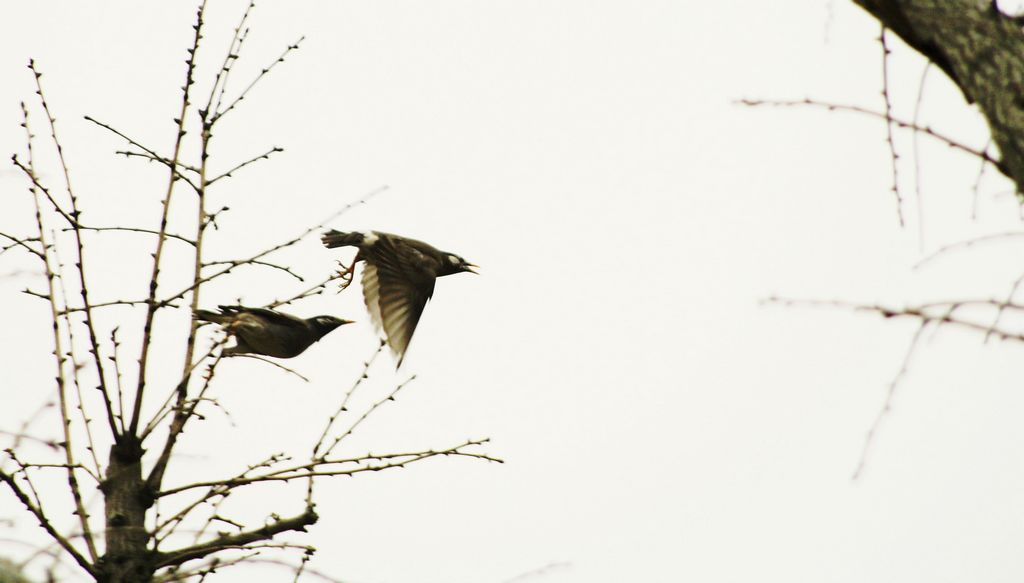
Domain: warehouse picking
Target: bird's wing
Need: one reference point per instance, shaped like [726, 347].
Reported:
[401, 281]
[371, 294]
[270, 316]
[401, 304]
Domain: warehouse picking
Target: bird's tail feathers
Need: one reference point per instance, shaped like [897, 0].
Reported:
[224, 316]
[332, 239]
[207, 316]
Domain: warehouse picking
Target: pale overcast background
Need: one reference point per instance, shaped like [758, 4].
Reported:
[659, 424]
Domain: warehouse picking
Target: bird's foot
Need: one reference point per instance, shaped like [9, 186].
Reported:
[345, 275]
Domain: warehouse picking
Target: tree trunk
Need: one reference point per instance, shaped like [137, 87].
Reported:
[982, 51]
[126, 499]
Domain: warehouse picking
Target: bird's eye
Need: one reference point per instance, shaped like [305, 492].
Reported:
[454, 260]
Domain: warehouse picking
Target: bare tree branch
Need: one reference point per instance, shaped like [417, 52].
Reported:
[900, 123]
[90, 324]
[46, 524]
[217, 115]
[264, 156]
[237, 263]
[239, 540]
[52, 274]
[980, 49]
[173, 163]
[327, 467]
[888, 126]
[887, 405]
[152, 305]
[137, 230]
[23, 243]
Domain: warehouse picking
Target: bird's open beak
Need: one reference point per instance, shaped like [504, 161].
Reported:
[470, 267]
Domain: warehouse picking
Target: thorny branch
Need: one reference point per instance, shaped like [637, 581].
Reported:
[76, 367]
[264, 156]
[123, 406]
[45, 522]
[217, 115]
[391, 397]
[890, 393]
[138, 230]
[173, 164]
[343, 407]
[239, 540]
[166, 527]
[152, 305]
[933, 314]
[323, 466]
[258, 256]
[943, 312]
[220, 83]
[902, 124]
[52, 275]
[888, 125]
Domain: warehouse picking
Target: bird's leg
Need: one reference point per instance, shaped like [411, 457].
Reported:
[345, 274]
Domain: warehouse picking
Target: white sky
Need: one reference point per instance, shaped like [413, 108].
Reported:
[659, 424]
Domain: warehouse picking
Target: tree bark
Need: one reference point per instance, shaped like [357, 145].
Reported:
[126, 499]
[981, 50]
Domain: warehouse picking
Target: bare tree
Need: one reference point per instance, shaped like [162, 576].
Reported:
[109, 444]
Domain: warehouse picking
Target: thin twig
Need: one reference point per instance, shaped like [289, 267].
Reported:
[264, 156]
[391, 397]
[976, 188]
[343, 407]
[919, 196]
[23, 468]
[1003, 305]
[238, 262]
[21, 242]
[268, 361]
[136, 230]
[218, 491]
[115, 359]
[22, 432]
[920, 312]
[61, 377]
[900, 123]
[319, 574]
[152, 157]
[109, 304]
[269, 250]
[308, 292]
[967, 243]
[325, 467]
[173, 163]
[21, 435]
[40, 187]
[76, 367]
[888, 126]
[220, 83]
[44, 522]
[887, 404]
[152, 305]
[280, 59]
[182, 413]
